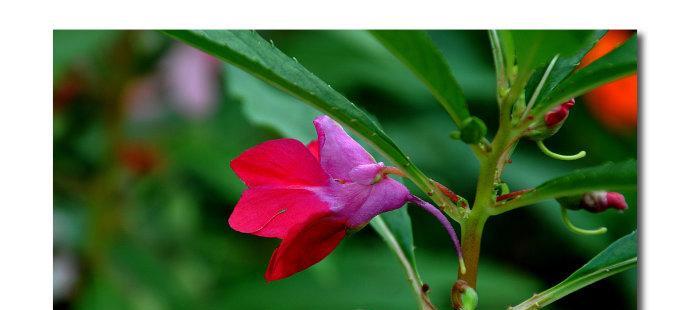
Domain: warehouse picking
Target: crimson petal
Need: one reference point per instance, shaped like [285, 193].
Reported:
[313, 147]
[305, 246]
[279, 162]
[272, 212]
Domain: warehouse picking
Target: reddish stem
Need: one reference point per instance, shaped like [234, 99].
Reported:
[512, 195]
[448, 192]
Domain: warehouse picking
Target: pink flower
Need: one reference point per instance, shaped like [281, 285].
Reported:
[310, 196]
[558, 114]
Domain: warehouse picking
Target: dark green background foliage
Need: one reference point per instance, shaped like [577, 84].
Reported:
[156, 237]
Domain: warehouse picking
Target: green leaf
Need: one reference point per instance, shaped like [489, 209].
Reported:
[619, 63]
[74, 46]
[249, 51]
[534, 48]
[619, 256]
[618, 176]
[563, 67]
[353, 59]
[395, 229]
[398, 224]
[417, 51]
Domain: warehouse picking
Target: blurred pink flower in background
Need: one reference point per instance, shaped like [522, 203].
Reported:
[187, 79]
[191, 80]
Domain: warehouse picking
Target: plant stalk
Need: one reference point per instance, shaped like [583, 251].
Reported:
[471, 244]
[490, 171]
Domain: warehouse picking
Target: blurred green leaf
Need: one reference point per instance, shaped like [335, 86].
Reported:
[395, 229]
[99, 293]
[618, 176]
[619, 63]
[72, 46]
[619, 256]
[468, 55]
[270, 107]
[369, 279]
[204, 150]
[416, 50]
[137, 267]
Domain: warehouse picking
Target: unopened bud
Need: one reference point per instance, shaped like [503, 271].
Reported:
[463, 296]
[596, 202]
[553, 121]
[557, 115]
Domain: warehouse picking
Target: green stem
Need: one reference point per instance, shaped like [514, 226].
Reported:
[502, 84]
[568, 286]
[489, 174]
[491, 167]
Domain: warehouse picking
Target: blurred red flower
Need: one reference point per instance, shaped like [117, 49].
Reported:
[615, 103]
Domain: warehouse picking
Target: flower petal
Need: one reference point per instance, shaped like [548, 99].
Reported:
[279, 162]
[366, 174]
[272, 212]
[616, 201]
[338, 152]
[313, 147]
[386, 195]
[305, 246]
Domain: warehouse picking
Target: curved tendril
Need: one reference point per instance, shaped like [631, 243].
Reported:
[577, 230]
[553, 155]
[445, 223]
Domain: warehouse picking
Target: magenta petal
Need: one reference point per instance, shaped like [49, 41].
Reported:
[365, 174]
[272, 212]
[338, 152]
[384, 196]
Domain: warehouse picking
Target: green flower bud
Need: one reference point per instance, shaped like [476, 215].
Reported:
[473, 130]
